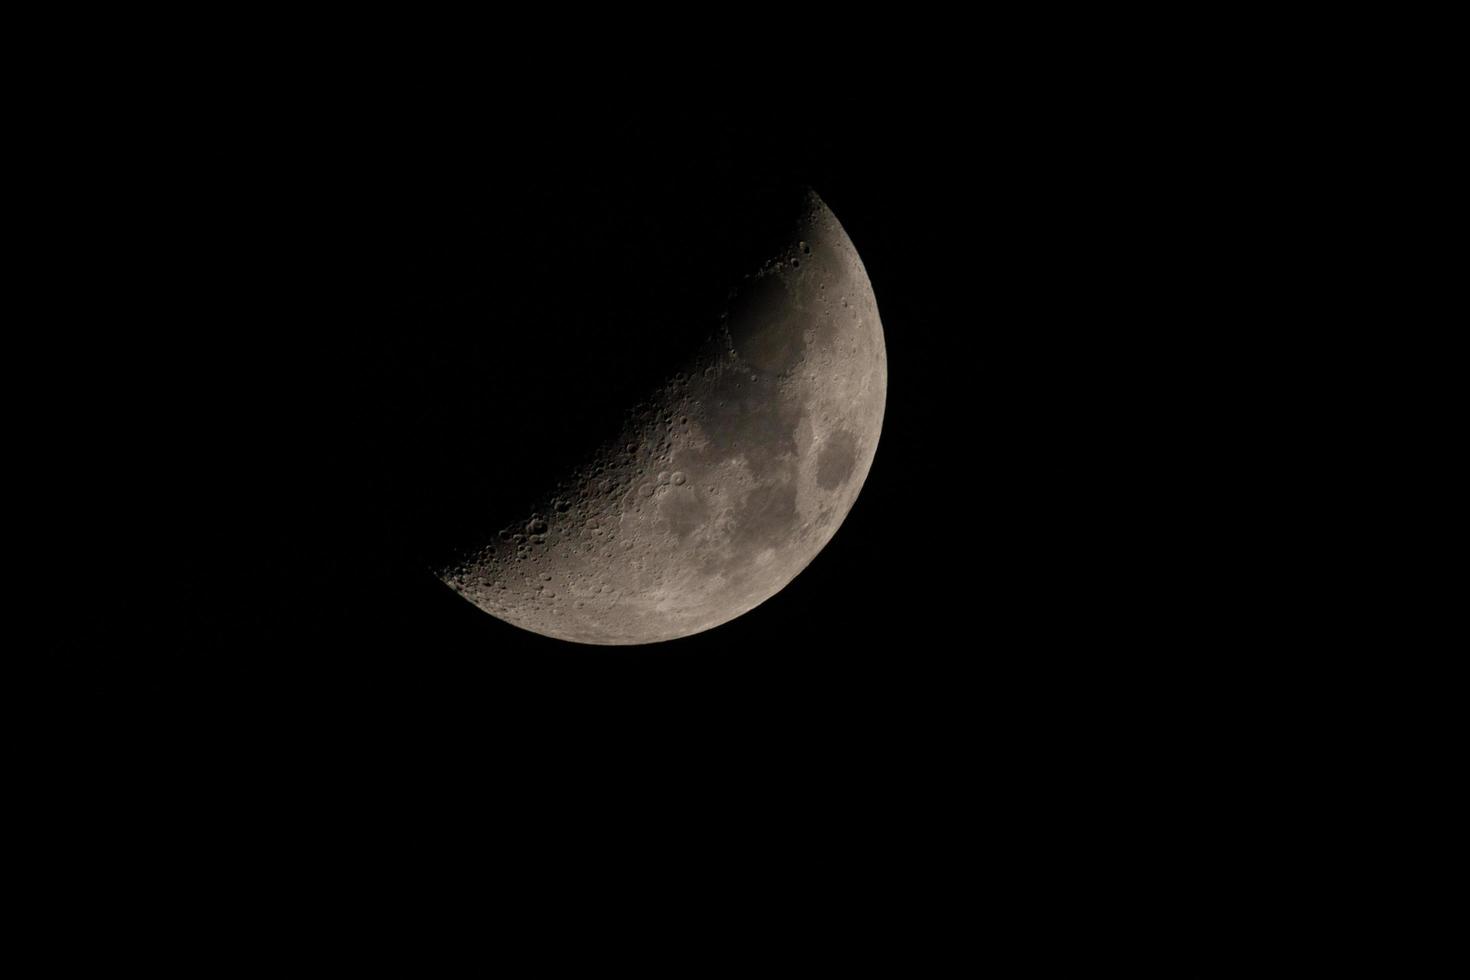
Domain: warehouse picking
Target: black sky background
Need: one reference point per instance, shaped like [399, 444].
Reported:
[327, 295]
[281, 370]
[1054, 676]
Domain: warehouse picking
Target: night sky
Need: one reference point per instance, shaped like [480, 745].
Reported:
[330, 304]
[1045, 665]
[275, 395]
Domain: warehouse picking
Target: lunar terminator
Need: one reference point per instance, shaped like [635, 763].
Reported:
[725, 483]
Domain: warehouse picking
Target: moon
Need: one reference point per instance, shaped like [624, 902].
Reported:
[725, 482]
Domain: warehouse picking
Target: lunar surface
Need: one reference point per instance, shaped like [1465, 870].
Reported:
[725, 483]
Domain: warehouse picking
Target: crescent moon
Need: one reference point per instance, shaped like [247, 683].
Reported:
[725, 483]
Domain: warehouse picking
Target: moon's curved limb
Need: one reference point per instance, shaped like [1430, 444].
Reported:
[726, 482]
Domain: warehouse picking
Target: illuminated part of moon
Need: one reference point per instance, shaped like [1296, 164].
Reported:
[726, 483]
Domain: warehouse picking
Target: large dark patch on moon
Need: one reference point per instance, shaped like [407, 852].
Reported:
[837, 460]
[764, 325]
